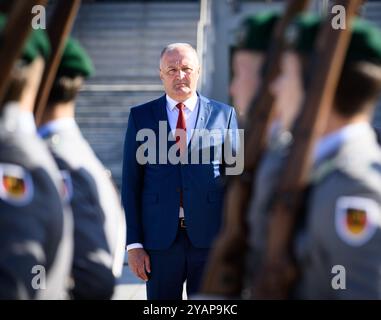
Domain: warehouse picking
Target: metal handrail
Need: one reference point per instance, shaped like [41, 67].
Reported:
[203, 23]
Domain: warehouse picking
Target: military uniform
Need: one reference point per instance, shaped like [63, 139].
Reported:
[344, 218]
[36, 227]
[342, 233]
[341, 226]
[35, 230]
[254, 35]
[99, 221]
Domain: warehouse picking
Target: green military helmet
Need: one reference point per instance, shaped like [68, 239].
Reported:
[37, 44]
[255, 31]
[304, 30]
[75, 61]
[365, 44]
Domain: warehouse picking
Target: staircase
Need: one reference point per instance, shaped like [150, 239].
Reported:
[125, 40]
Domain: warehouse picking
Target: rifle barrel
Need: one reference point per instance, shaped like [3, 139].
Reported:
[14, 35]
[59, 28]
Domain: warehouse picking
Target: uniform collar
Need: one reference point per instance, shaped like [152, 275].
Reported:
[190, 103]
[330, 143]
[16, 120]
[55, 126]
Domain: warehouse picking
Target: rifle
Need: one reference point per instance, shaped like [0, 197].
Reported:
[278, 272]
[59, 28]
[226, 266]
[14, 35]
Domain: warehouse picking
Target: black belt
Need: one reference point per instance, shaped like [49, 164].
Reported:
[182, 223]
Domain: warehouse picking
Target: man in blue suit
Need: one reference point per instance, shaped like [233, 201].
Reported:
[174, 209]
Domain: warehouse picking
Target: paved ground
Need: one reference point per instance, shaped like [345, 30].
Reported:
[129, 287]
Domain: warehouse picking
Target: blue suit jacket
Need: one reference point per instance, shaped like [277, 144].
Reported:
[151, 191]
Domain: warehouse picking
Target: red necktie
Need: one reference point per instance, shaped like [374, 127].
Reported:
[181, 124]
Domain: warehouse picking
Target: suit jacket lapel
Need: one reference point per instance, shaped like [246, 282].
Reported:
[202, 118]
[160, 111]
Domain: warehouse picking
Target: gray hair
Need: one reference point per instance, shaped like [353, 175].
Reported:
[174, 46]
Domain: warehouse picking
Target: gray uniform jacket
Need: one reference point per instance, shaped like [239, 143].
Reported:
[36, 227]
[99, 218]
[341, 257]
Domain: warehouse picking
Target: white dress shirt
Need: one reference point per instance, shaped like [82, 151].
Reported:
[190, 114]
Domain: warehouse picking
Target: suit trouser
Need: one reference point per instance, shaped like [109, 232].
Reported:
[171, 267]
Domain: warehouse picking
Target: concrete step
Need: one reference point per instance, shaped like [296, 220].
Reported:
[129, 39]
[115, 7]
[120, 80]
[129, 27]
[147, 49]
[131, 15]
[103, 71]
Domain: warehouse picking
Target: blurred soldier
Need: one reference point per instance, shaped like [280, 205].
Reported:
[249, 67]
[248, 59]
[288, 90]
[343, 207]
[99, 223]
[343, 229]
[35, 226]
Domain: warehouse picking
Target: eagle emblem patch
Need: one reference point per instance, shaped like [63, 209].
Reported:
[357, 219]
[16, 186]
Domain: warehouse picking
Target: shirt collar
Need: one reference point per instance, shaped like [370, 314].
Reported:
[333, 141]
[55, 126]
[190, 103]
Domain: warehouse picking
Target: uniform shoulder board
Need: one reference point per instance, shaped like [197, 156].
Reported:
[16, 185]
[357, 219]
[67, 186]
